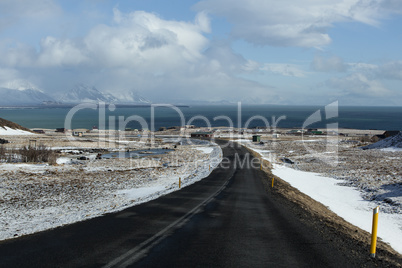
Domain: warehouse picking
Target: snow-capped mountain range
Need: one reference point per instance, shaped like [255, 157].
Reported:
[20, 92]
[131, 97]
[15, 97]
[25, 94]
[83, 93]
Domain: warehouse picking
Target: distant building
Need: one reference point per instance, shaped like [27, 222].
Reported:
[202, 134]
[39, 131]
[295, 132]
[256, 138]
[79, 132]
[61, 130]
[317, 132]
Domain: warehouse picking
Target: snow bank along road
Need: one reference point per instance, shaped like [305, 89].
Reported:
[36, 197]
[225, 220]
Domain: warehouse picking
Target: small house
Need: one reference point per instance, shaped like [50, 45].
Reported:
[79, 132]
[256, 138]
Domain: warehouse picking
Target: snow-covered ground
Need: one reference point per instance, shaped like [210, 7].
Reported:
[392, 142]
[339, 195]
[38, 197]
[7, 131]
[344, 201]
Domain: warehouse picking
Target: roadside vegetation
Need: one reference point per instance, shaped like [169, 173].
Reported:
[27, 154]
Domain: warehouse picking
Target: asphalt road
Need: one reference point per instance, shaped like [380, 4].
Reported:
[226, 220]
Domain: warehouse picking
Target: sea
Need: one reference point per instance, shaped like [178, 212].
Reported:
[244, 116]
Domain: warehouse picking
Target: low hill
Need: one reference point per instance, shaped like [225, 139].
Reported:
[6, 125]
[390, 142]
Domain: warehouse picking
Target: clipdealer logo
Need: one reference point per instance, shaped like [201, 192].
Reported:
[330, 155]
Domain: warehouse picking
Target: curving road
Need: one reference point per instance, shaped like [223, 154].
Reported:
[226, 220]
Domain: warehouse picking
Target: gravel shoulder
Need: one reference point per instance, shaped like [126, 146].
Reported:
[349, 239]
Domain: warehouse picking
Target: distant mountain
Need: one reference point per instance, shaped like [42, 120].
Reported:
[131, 97]
[83, 93]
[23, 97]
[198, 102]
[21, 84]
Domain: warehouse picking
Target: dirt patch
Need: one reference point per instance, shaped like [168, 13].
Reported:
[349, 239]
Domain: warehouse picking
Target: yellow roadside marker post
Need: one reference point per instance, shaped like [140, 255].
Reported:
[179, 182]
[374, 232]
[273, 182]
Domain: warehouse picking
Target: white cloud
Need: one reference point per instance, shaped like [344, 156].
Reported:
[302, 23]
[169, 59]
[138, 40]
[12, 11]
[362, 67]
[7, 74]
[18, 54]
[330, 64]
[391, 70]
[358, 84]
[284, 69]
[142, 39]
[222, 57]
[55, 52]
[165, 59]
[385, 71]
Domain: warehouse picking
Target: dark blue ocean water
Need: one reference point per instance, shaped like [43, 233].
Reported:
[384, 118]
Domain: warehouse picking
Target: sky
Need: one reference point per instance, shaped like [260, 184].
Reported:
[290, 52]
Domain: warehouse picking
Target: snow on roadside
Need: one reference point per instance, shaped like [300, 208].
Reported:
[205, 150]
[167, 183]
[343, 200]
[39, 197]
